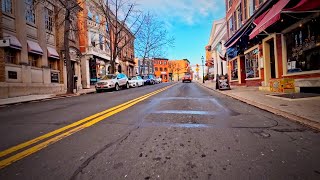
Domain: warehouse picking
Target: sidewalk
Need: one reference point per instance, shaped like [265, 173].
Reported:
[305, 110]
[23, 99]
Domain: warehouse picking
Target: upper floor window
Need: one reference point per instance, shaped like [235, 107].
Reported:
[230, 3]
[101, 41]
[239, 15]
[252, 6]
[245, 9]
[97, 19]
[92, 39]
[7, 6]
[161, 69]
[49, 19]
[30, 14]
[231, 26]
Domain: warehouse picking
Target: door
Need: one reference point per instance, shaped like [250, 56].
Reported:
[272, 60]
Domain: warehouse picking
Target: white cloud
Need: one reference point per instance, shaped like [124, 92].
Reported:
[187, 11]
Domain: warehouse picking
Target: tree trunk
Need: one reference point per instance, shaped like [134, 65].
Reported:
[70, 77]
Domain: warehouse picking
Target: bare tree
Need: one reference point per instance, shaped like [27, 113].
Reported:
[153, 39]
[123, 21]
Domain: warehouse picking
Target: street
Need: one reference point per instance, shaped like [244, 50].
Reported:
[169, 131]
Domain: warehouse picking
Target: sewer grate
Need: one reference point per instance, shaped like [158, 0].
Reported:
[297, 95]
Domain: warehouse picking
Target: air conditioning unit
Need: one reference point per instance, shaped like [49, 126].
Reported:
[4, 43]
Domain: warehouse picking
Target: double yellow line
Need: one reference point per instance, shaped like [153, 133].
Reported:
[66, 131]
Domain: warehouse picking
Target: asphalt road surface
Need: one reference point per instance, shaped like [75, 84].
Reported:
[167, 131]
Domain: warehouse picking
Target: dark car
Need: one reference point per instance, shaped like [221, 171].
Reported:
[149, 79]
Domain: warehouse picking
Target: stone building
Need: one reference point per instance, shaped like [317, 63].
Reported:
[29, 62]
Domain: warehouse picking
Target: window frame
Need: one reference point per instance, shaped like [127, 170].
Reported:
[5, 7]
[34, 62]
[30, 13]
[49, 19]
[257, 63]
[11, 54]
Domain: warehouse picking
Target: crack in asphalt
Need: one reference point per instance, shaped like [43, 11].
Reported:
[92, 157]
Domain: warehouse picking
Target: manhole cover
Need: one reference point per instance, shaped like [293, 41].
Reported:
[297, 95]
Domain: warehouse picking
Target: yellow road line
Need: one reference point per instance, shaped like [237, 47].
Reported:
[44, 144]
[52, 133]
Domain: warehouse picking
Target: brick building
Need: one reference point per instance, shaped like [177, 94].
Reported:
[273, 44]
[178, 68]
[161, 68]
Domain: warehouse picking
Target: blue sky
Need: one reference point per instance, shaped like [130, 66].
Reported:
[189, 22]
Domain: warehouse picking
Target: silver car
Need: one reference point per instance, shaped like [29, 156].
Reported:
[112, 81]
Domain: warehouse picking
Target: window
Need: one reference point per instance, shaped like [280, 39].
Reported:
[252, 64]
[156, 68]
[239, 15]
[261, 1]
[252, 7]
[165, 69]
[229, 3]
[33, 60]
[7, 6]
[97, 19]
[52, 64]
[10, 56]
[92, 39]
[235, 21]
[49, 19]
[234, 70]
[30, 15]
[245, 9]
[161, 69]
[231, 26]
[90, 15]
[72, 32]
[303, 53]
[101, 41]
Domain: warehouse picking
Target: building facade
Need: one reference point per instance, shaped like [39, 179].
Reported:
[178, 68]
[29, 60]
[95, 45]
[161, 68]
[215, 51]
[276, 45]
[145, 67]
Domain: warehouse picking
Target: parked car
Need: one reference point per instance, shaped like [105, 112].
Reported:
[112, 81]
[149, 79]
[158, 80]
[136, 81]
[187, 78]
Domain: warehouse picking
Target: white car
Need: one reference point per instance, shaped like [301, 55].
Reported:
[158, 80]
[136, 81]
[112, 81]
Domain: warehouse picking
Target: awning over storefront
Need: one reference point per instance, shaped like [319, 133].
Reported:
[270, 18]
[34, 48]
[52, 53]
[305, 5]
[14, 42]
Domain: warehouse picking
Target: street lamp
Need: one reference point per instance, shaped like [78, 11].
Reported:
[202, 69]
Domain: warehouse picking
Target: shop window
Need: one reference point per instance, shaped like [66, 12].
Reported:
[30, 13]
[49, 19]
[156, 68]
[252, 64]
[303, 50]
[10, 56]
[234, 70]
[7, 6]
[33, 60]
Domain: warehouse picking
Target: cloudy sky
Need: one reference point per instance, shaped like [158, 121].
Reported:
[189, 21]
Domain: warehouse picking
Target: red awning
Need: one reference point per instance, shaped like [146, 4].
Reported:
[270, 18]
[259, 19]
[305, 5]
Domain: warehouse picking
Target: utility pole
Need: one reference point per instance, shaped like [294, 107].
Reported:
[202, 69]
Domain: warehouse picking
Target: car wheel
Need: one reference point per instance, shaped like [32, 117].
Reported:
[116, 87]
[98, 90]
[127, 86]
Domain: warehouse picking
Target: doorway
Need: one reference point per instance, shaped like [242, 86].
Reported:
[272, 59]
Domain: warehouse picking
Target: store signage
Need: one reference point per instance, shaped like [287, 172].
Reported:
[12, 75]
[223, 82]
[54, 77]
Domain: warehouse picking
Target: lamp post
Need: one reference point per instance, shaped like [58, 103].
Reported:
[202, 69]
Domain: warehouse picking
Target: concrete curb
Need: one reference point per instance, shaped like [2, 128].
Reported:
[301, 120]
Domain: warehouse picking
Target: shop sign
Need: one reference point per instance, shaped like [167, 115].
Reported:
[54, 77]
[223, 82]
